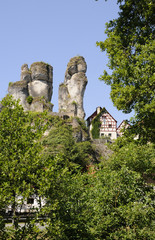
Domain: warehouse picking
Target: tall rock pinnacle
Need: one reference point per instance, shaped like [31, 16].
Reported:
[71, 92]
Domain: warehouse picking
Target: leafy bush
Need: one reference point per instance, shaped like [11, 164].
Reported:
[29, 99]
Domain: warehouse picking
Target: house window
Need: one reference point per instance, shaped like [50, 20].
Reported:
[109, 134]
[110, 126]
[104, 119]
[102, 134]
[30, 200]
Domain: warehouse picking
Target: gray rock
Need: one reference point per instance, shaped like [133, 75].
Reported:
[42, 80]
[71, 92]
[19, 90]
[40, 88]
[41, 71]
[37, 83]
[40, 105]
[25, 73]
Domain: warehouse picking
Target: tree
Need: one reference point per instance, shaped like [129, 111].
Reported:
[64, 188]
[130, 46]
[111, 202]
[136, 157]
[120, 205]
[19, 157]
[48, 166]
[61, 139]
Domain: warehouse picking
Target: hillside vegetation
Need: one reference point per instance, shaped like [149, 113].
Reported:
[84, 198]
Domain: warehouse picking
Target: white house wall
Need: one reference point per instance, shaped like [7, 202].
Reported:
[24, 206]
[107, 134]
[108, 126]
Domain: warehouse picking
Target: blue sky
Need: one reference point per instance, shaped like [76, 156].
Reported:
[54, 31]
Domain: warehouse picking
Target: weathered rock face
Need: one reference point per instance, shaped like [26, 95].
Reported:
[71, 92]
[36, 83]
[35, 87]
[19, 90]
[25, 73]
[42, 80]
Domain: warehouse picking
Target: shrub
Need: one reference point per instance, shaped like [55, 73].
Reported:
[29, 99]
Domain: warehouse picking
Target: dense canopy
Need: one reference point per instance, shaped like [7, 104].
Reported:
[130, 46]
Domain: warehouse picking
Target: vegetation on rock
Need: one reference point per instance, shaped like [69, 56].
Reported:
[18, 84]
[29, 99]
[84, 199]
[41, 64]
[75, 60]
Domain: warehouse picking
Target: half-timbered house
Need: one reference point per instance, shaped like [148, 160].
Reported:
[108, 125]
[123, 125]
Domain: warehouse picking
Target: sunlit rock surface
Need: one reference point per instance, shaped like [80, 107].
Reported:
[71, 92]
[35, 88]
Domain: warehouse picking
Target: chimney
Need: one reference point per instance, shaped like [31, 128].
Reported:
[98, 109]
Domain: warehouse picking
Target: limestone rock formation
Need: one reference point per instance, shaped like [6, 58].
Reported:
[71, 92]
[35, 87]
[25, 73]
[19, 90]
[42, 80]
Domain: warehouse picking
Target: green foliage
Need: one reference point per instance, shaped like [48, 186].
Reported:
[65, 201]
[96, 123]
[29, 99]
[130, 46]
[136, 157]
[83, 154]
[19, 156]
[60, 140]
[74, 103]
[82, 124]
[10, 83]
[111, 202]
[108, 204]
[120, 206]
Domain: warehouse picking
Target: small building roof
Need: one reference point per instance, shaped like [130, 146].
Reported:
[126, 121]
[94, 114]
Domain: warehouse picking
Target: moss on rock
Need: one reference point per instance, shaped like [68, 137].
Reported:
[41, 64]
[18, 84]
[75, 61]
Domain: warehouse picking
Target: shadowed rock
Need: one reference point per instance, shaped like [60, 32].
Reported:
[25, 73]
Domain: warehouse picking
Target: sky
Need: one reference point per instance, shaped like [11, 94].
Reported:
[53, 31]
